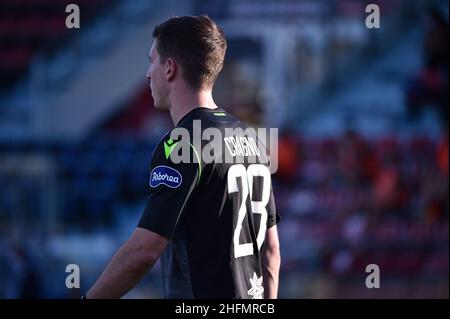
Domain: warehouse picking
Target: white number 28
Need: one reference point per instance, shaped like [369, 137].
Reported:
[257, 207]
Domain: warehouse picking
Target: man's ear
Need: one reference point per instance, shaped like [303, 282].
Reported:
[171, 69]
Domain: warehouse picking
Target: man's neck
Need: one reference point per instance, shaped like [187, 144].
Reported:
[182, 104]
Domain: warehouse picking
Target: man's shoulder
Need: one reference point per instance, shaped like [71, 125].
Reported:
[158, 151]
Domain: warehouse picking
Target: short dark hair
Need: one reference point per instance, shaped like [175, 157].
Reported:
[195, 42]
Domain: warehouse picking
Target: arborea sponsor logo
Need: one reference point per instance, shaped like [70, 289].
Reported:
[165, 175]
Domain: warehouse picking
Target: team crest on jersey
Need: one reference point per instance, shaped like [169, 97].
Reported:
[257, 289]
[165, 175]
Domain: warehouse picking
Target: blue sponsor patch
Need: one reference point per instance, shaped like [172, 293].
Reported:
[165, 175]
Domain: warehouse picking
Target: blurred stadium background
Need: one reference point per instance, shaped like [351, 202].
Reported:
[363, 150]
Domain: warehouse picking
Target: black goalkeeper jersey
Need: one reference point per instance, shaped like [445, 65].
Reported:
[214, 206]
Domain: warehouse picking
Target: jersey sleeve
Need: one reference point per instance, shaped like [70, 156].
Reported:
[272, 216]
[170, 187]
